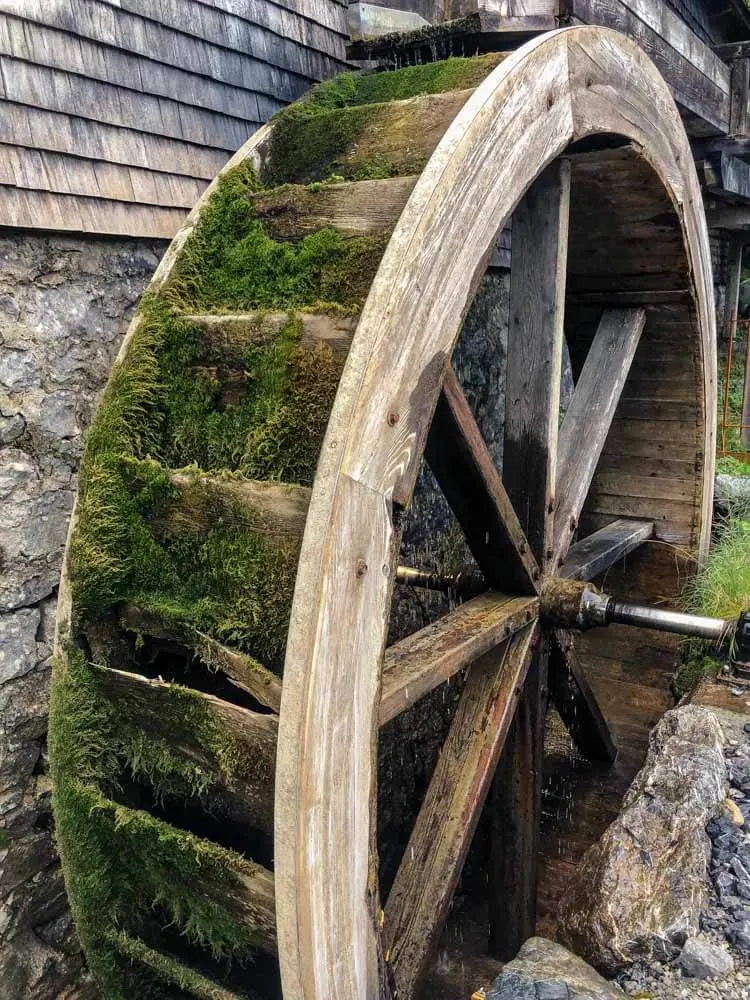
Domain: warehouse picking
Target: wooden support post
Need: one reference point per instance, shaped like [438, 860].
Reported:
[731, 299]
[745, 418]
[537, 299]
[739, 91]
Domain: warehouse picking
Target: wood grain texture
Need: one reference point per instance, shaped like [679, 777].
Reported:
[464, 468]
[576, 702]
[422, 661]
[593, 555]
[559, 88]
[589, 416]
[431, 866]
[534, 363]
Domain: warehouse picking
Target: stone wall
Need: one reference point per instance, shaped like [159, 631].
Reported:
[64, 306]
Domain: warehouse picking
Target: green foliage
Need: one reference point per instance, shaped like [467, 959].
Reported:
[165, 970]
[730, 466]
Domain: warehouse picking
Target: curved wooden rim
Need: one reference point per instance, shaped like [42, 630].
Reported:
[557, 89]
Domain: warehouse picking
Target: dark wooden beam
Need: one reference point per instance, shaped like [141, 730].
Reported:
[736, 217]
[595, 554]
[739, 114]
[723, 174]
[573, 698]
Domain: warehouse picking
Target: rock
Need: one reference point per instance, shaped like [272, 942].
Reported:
[731, 488]
[702, 960]
[738, 934]
[543, 970]
[57, 414]
[18, 643]
[18, 370]
[638, 893]
[12, 427]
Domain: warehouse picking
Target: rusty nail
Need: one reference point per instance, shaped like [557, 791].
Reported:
[393, 419]
[361, 567]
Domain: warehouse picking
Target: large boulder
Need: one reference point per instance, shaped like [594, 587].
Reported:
[543, 970]
[638, 892]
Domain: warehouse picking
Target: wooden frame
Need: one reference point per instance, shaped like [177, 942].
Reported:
[554, 91]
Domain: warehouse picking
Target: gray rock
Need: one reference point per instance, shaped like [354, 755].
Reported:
[18, 369]
[702, 960]
[11, 427]
[18, 643]
[57, 414]
[638, 893]
[543, 970]
[731, 488]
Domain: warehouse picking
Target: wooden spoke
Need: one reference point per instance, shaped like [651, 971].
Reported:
[594, 554]
[425, 659]
[575, 701]
[589, 416]
[463, 466]
[426, 880]
[535, 341]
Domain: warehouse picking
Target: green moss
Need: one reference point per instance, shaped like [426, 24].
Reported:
[120, 864]
[349, 89]
[4, 838]
[231, 263]
[696, 667]
[165, 970]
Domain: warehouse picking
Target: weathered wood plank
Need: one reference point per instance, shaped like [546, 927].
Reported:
[576, 702]
[594, 554]
[356, 208]
[245, 671]
[228, 335]
[468, 477]
[588, 418]
[431, 866]
[40, 170]
[739, 114]
[56, 90]
[36, 128]
[25, 209]
[148, 705]
[535, 338]
[422, 661]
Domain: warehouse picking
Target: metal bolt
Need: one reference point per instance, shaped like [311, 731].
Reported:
[522, 548]
[393, 419]
[550, 553]
[361, 567]
[572, 524]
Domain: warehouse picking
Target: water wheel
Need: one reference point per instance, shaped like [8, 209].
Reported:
[253, 479]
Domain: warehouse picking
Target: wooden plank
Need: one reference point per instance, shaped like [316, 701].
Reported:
[431, 866]
[468, 477]
[38, 43]
[356, 208]
[228, 335]
[535, 337]
[24, 209]
[36, 128]
[146, 704]
[692, 89]
[739, 114]
[588, 418]
[245, 671]
[576, 702]
[422, 661]
[723, 174]
[55, 90]
[40, 170]
[594, 554]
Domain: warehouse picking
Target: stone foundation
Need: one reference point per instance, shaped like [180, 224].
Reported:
[64, 306]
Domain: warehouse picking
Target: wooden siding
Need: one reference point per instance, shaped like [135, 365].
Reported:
[114, 114]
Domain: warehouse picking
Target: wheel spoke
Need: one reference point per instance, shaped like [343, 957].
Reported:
[426, 880]
[535, 340]
[594, 554]
[422, 661]
[576, 702]
[466, 473]
[589, 416]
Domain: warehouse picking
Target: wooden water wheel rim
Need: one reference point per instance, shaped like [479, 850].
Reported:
[555, 91]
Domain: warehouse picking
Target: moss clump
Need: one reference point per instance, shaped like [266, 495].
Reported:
[231, 263]
[120, 863]
[349, 89]
[165, 971]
